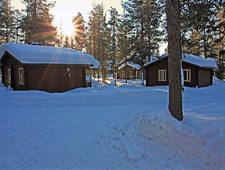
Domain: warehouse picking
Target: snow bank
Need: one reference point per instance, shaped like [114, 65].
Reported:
[178, 143]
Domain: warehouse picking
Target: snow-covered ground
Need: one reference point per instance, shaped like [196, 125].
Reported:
[112, 127]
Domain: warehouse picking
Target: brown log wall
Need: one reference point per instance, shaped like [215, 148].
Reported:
[55, 78]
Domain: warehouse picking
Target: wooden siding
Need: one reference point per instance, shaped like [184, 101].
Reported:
[152, 73]
[199, 76]
[194, 75]
[50, 78]
[205, 77]
[9, 62]
[131, 73]
[55, 78]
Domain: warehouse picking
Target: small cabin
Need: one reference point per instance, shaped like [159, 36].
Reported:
[129, 70]
[197, 71]
[45, 68]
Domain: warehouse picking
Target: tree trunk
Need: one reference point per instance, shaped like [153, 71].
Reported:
[174, 59]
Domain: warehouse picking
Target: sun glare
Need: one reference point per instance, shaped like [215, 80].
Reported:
[68, 28]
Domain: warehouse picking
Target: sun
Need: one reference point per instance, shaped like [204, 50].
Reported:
[68, 28]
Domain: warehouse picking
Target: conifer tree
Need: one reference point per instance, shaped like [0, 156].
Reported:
[114, 23]
[66, 42]
[79, 31]
[37, 22]
[144, 16]
[19, 36]
[124, 41]
[60, 35]
[199, 17]
[97, 40]
[174, 59]
[6, 25]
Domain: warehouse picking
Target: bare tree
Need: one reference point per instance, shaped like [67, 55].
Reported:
[174, 59]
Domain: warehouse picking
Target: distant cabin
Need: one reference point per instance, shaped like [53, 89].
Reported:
[197, 71]
[51, 69]
[129, 69]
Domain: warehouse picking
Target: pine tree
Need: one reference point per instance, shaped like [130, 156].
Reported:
[66, 42]
[200, 17]
[124, 41]
[19, 36]
[37, 22]
[220, 43]
[97, 40]
[6, 25]
[174, 59]
[221, 28]
[144, 16]
[114, 23]
[60, 35]
[79, 31]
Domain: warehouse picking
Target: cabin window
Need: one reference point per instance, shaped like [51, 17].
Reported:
[21, 76]
[162, 75]
[187, 75]
[123, 74]
[9, 76]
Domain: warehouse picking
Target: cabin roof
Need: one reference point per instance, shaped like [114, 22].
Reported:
[191, 59]
[131, 64]
[35, 54]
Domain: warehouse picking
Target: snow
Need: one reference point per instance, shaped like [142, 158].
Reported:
[112, 127]
[199, 61]
[192, 59]
[131, 64]
[35, 54]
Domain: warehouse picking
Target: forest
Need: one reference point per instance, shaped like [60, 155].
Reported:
[111, 36]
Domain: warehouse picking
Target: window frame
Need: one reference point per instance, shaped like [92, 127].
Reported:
[188, 75]
[21, 75]
[123, 74]
[164, 75]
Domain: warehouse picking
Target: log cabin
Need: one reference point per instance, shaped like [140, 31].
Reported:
[45, 68]
[129, 69]
[197, 71]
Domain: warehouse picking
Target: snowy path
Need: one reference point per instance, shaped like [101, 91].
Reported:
[108, 127]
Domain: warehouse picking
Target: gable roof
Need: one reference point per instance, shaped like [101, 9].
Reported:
[35, 54]
[191, 59]
[131, 64]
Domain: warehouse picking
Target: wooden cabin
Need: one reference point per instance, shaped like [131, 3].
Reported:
[197, 71]
[51, 69]
[129, 70]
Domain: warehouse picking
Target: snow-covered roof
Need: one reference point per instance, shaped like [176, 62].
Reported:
[35, 54]
[131, 64]
[192, 59]
[199, 61]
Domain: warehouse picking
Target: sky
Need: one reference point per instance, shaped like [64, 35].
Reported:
[65, 10]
